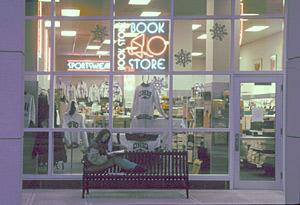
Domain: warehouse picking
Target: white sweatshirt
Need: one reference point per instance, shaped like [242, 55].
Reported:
[94, 95]
[117, 92]
[71, 92]
[82, 91]
[29, 110]
[104, 90]
[146, 99]
[75, 121]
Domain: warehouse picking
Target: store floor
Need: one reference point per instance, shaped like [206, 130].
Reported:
[150, 197]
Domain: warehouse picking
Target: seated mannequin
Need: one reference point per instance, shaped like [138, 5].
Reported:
[97, 155]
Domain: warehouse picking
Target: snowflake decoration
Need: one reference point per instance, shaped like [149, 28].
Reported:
[99, 33]
[218, 32]
[158, 83]
[183, 57]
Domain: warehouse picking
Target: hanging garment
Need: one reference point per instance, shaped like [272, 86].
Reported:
[94, 94]
[146, 99]
[104, 89]
[117, 92]
[43, 110]
[59, 148]
[61, 89]
[71, 92]
[82, 91]
[40, 148]
[29, 110]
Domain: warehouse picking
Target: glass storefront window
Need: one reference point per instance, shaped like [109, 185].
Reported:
[38, 7]
[38, 45]
[201, 101]
[82, 46]
[36, 101]
[207, 152]
[260, 7]
[202, 7]
[143, 8]
[35, 153]
[202, 45]
[81, 101]
[260, 44]
[75, 8]
[140, 101]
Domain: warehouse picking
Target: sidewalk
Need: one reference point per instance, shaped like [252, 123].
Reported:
[150, 197]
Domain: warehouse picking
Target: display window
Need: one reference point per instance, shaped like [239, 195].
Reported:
[81, 101]
[38, 7]
[207, 152]
[35, 153]
[260, 45]
[142, 8]
[76, 8]
[260, 7]
[36, 101]
[38, 45]
[201, 101]
[206, 45]
[202, 7]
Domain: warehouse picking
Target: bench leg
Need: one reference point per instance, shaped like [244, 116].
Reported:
[187, 193]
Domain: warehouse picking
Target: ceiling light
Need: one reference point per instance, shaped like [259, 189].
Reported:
[122, 25]
[68, 33]
[48, 24]
[107, 41]
[70, 12]
[203, 36]
[195, 54]
[150, 13]
[48, 0]
[91, 47]
[256, 28]
[139, 2]
[196, 26]
[103, 53]
[131, 35]
[245, 14]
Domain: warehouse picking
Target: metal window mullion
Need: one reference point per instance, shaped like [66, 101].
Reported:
[50, 153]
[111, 77]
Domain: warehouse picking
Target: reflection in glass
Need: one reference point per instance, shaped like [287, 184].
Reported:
[141, 102]
[82, 46]
[37, 45]
[206, 45]
[261, 44]
[35, 153]
[90, 96]
[139, 8]
[257, 146]
[207, 152]
[201, 101]
[202, 7]
[36, 101]
[260, 7]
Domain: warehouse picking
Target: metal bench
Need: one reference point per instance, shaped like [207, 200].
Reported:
[167, 170]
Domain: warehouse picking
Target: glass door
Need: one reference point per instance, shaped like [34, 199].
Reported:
[258, 135]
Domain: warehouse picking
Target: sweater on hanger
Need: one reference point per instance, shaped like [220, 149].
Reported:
[94, 95]
[82, 91]
[71, 92]
[104, 90]
[29, 110]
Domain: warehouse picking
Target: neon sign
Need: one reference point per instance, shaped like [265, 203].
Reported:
[88, 65]
[141, 45]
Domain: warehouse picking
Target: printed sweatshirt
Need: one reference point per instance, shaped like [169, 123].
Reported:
[146, 99]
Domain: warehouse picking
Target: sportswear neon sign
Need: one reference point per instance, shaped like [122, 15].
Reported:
[88, 65]
[145, 49]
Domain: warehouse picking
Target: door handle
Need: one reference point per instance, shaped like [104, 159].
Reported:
[237, 142]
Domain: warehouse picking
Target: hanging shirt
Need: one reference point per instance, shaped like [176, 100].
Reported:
[74, 121]
[117, 92]
[146, 99]
[94, 95]
[104, 90]
[61, 89]
[29, 110]
[71, 92]
[82, 91]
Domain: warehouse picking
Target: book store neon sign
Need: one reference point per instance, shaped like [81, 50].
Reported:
[145, 49]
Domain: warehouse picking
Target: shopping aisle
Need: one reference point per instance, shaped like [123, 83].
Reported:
[150, 197]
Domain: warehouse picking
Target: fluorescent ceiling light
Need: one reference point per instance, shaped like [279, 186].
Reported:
[107, 41]
[139, 2]
[203, 36]
[196, 26]
[48, 24]
[256, 28]
[131, 35]
[245, 14]
[70, 12]
[91, 47]
[48, 0]
[68, 33]
[150, 13]
[195, 54]
[122, 25]
[103, 53]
